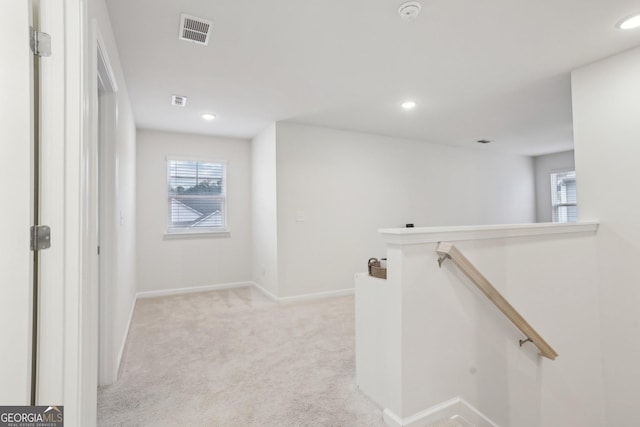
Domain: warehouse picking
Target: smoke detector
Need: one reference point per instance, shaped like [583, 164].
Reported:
[409, 10]
[196, 30]
[178, 100]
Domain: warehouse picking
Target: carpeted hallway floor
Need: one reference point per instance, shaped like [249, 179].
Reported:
[234, 358]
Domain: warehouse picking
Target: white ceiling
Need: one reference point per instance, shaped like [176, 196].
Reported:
[495, 69]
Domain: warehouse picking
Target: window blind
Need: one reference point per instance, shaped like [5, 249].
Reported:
[196, 195]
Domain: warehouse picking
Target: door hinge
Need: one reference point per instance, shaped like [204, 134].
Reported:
[40, 43]
[40, 237]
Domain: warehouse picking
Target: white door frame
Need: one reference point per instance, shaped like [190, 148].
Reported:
[52, 147]
[79, 237]
[71, 375]
[104, 122]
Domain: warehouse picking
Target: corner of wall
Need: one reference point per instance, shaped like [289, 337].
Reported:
[265, 271]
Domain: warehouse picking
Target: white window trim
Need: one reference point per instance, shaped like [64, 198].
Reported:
[203, 232]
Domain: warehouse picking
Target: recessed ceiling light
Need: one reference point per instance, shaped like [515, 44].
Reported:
[208, 116]
[409, 105]
[629, 22]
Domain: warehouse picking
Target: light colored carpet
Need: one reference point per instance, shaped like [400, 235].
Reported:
[234, 358]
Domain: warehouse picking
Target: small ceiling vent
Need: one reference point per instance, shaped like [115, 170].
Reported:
[196, 30]
[178, 100]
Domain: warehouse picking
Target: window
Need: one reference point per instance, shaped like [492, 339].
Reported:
[563, 196]
[197, 196]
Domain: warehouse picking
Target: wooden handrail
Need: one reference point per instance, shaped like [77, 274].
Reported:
[448, 250]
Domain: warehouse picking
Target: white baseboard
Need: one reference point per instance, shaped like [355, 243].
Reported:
[303, 297]
[124, 339]
[266, 293]
[178, 291]
[455, 409]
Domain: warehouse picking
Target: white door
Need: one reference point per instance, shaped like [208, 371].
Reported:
[32, 177]
[15, 204]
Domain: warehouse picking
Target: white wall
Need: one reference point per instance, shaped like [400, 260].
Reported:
[348, 184]
[455, 343]
[122, 205]
[606, 137]
[544, 166]
[184, 262]
[264, 210]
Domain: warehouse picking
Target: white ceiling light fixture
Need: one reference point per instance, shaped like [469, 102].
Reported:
[409, 10]
[196, 30]
[208, 116]
[630, 22]
[408, 105]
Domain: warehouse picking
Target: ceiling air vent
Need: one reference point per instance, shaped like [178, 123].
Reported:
[178, 101]
[196, 30]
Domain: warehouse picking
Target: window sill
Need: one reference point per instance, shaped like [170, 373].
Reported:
[195, 234]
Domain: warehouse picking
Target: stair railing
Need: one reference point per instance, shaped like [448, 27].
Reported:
[449, 251]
